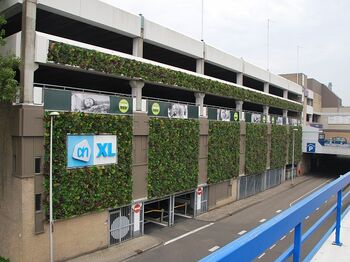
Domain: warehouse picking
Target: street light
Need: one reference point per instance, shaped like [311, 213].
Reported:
[52, 116]
[294, 129]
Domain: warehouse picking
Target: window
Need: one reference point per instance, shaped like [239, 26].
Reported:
[37, 165]
[37, 202]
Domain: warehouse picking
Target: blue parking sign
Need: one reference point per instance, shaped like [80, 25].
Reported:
[311, 147]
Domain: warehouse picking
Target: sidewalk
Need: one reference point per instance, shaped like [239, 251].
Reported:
[121, 252]
[237, 206]
[330, 252]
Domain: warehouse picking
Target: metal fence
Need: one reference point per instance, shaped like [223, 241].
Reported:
[253, 184]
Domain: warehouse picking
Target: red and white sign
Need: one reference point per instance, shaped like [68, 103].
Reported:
[137, 207]
[199, 191]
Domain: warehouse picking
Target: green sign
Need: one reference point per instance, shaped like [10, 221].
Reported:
[235, 116]
[155, 109]
[123, 105]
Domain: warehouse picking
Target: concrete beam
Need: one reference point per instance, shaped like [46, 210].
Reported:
[266, 87]
[285, 94]
[28, 65]
[137, 47]
[239, 109]
[200, 66]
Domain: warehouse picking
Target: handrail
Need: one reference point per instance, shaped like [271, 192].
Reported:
[255, 242]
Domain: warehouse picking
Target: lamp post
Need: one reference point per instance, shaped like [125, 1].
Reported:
[52, 116]
[294, 129]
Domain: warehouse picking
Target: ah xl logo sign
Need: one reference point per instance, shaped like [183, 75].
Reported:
[91, 150]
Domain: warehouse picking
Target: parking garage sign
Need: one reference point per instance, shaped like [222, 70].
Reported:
[310, 147]
[91, 150]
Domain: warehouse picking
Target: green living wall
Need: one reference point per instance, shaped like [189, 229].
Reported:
[279, 138]
[297, 145]
[82, 190]
[172, 156]
[223, 150]
[256, 148]
[65, 54]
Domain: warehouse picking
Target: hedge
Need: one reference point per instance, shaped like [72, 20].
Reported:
[2, 259]
[298, 144]
[82, 190]
[86, 59]
[256, 148]
[172, 156]
[223, 147]
[279, 139]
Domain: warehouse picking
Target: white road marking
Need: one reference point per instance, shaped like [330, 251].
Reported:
[187, 234]
[291, 230]
[262, 220]
[326, 201]
[318, 208]
[213, 248]
[242, 232]
[278, 211]
[291, 203]
[283, 237]
[263, 254]
[306, 218]
[272, 246]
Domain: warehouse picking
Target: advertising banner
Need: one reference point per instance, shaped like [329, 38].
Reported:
[172, 110]
[91, 150]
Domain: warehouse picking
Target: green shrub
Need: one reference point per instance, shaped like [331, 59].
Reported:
[297, 145]
[256, 148]
[279, 139]
[81, 190]
[172, 156]
[111, 64]
[223, 147]
[2, 259]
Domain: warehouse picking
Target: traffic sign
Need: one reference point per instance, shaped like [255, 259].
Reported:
[137, 207]
[199, 191]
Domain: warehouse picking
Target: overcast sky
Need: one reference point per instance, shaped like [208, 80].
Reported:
[239, 27]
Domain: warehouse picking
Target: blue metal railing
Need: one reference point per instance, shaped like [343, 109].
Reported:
[255, 242]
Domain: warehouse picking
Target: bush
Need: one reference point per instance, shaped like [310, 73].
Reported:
[279, 140]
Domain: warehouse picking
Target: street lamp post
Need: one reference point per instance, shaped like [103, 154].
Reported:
[52, 116]
[294, 129]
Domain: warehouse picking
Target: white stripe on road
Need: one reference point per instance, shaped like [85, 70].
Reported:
[306, 218]
[272, 246]
[291, 203]
[318, 208]
[262, 220]
[263, 254]
[213, 248]
[242, 232]
[283, 237]
[291, 230]
[278, 211]
[187, 234]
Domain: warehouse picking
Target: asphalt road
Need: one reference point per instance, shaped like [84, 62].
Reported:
[191, 239]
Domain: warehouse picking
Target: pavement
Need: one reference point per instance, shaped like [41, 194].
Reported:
[123, 251]
[330, 252]
[134, 249]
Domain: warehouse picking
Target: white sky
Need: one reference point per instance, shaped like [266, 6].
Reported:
[239, 27]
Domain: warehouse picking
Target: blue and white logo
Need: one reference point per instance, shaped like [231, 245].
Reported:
[91, 150]
[311, 147]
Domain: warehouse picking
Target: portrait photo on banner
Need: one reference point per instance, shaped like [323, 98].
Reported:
[90, 103]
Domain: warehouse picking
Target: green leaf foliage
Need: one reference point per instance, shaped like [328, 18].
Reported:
[172, 156]
[223, 147]
[279, 138]
[82, 190]
[8, 65]
[298, 144]
[2, 259]
[111, 64]
[256, 148]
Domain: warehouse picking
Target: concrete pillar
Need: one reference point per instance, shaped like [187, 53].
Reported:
[203, 150]
[28, 65]
[242, 145]
[239, 109]
[285, 116]
[266, 113]
[200, 102]
[239, 79]
[137, 86]
[285, 94]
[137, 47]
[200, 66]
[266, 87]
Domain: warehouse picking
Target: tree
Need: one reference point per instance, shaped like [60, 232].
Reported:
[8, 65]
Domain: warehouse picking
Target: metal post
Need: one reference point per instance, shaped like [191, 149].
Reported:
[293, 159]
[52, 115]
[297, 243]
[338, 220]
